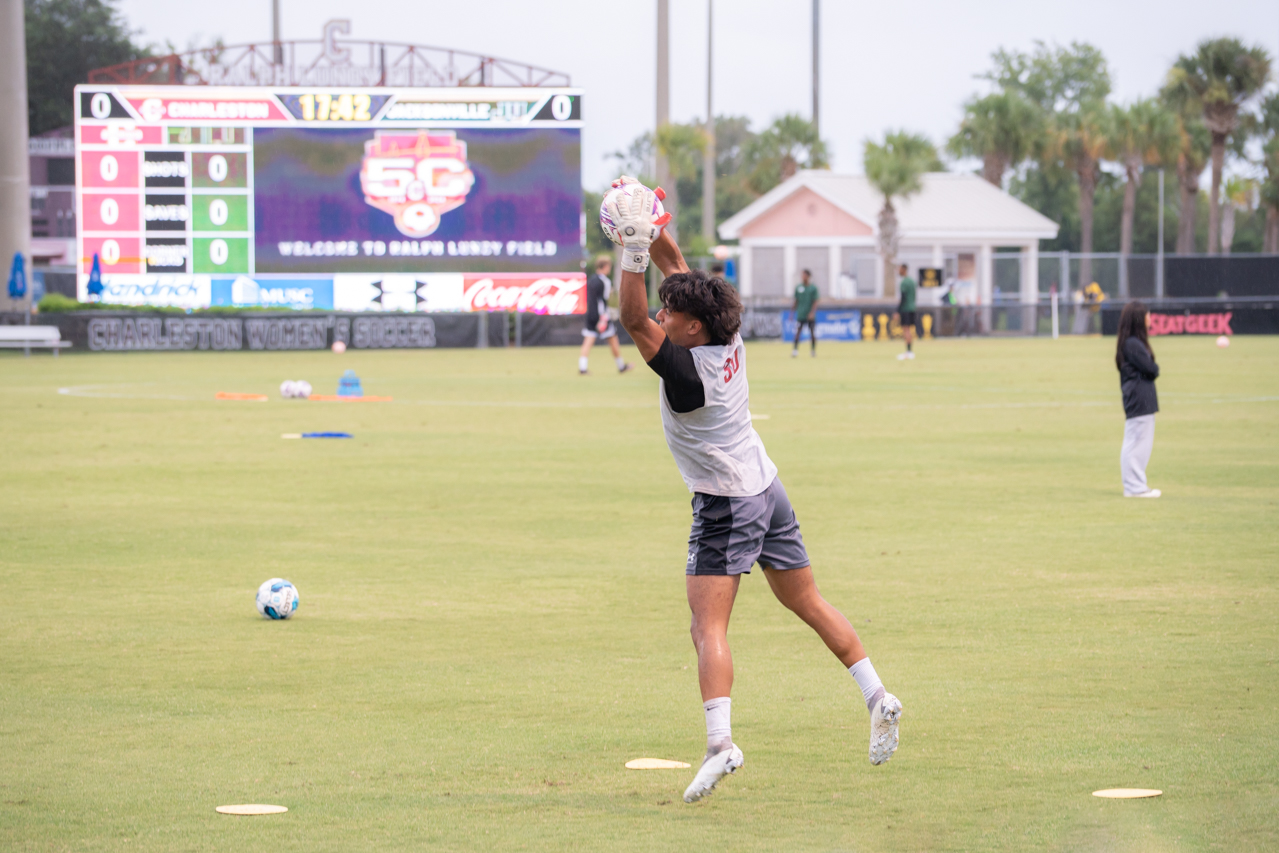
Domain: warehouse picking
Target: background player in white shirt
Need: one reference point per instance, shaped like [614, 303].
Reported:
[740, 510]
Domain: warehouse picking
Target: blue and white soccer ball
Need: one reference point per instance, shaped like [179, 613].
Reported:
[277, 599]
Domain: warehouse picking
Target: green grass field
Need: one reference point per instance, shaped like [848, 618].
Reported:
[493, 616]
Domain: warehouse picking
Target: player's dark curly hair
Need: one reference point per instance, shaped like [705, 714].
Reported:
[708, 298]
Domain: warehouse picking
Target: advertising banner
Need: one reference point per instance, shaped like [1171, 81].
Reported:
[238, 183]
[101, 331]
[831, 326]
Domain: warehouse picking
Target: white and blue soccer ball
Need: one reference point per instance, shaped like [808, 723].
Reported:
[277, 599]
[623, 195]
[295, 389]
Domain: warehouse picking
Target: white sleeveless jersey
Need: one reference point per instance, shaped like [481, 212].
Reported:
[716, 448]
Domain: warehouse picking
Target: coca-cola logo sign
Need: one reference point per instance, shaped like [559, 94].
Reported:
[1191, 324]
[560, 294]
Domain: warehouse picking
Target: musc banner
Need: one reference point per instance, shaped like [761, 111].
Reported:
[831, 326]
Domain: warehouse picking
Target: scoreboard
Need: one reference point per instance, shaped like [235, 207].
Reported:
[347, 199]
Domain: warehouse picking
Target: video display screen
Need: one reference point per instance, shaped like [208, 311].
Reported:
[347, 199]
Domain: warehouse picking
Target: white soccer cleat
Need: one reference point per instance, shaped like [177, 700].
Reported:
[1152, 493]
[883, 728]
[902, 356]
[712, 770]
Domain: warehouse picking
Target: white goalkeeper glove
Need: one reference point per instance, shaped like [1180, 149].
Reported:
[635, 224]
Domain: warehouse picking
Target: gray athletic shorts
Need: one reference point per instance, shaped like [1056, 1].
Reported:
[730, 534]
[602, 336]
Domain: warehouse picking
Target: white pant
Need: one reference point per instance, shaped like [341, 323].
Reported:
[1139, 440]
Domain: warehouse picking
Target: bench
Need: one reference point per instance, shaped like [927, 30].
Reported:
[25, 337]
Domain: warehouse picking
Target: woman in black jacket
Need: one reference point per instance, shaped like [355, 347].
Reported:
[1137, 374]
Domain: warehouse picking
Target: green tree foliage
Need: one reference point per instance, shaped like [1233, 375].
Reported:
[787, 145]
[1002, 129]
[896, 168]
[1268, 129]
[1219, 77]
[1142, 134]
[1194, 146]
[748, 164]
[66, 39]
[1056, 79]
[1070, 86]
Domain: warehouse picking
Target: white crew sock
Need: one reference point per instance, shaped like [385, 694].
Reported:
[619, 362]
[868, 680]
[719, 729]
[582, 363]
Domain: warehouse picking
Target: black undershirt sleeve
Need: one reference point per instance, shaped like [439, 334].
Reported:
[684, 390]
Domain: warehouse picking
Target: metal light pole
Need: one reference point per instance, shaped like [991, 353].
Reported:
[278, 51]
[1159, 250]
[663, 94]
[817, 9]
[15, 180]
[708, 153]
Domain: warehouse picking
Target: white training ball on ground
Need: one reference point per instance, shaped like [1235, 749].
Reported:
[339, 347]
[1223, 341]
[277, 599]
[287, 389]
[623, 195]
[301, 389]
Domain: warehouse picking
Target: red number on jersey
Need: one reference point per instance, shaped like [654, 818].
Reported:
[731, 365]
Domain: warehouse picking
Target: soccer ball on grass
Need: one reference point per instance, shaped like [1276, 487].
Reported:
[277, 599]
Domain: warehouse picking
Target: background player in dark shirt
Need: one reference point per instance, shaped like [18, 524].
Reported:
[906, 310]
[806, 296]
[598, 323]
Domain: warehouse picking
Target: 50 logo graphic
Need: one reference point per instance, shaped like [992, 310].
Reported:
[416, 177]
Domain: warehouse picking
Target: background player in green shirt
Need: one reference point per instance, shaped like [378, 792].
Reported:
[906, 310]
[805, 312]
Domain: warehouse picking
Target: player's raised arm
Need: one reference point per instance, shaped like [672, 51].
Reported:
[632, 216]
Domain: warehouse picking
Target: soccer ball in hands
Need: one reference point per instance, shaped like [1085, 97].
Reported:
[623, 194]
[277, 599]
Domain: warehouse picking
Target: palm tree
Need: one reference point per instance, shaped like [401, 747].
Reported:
[1144, 134]
[896, 169]
[1220, 76]
[1002, 129]
[789, 144]
[1270, 160]
[1194, 147]
[1082, 138]
[1239, 193]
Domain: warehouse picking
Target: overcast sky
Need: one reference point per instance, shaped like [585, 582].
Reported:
[906, 64]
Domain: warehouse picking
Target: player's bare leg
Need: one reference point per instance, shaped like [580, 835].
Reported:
[796, 589]
[583, 355]
[622, 366]
[710, 597]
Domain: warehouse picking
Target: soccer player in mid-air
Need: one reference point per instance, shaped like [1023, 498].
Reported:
[740, 510]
